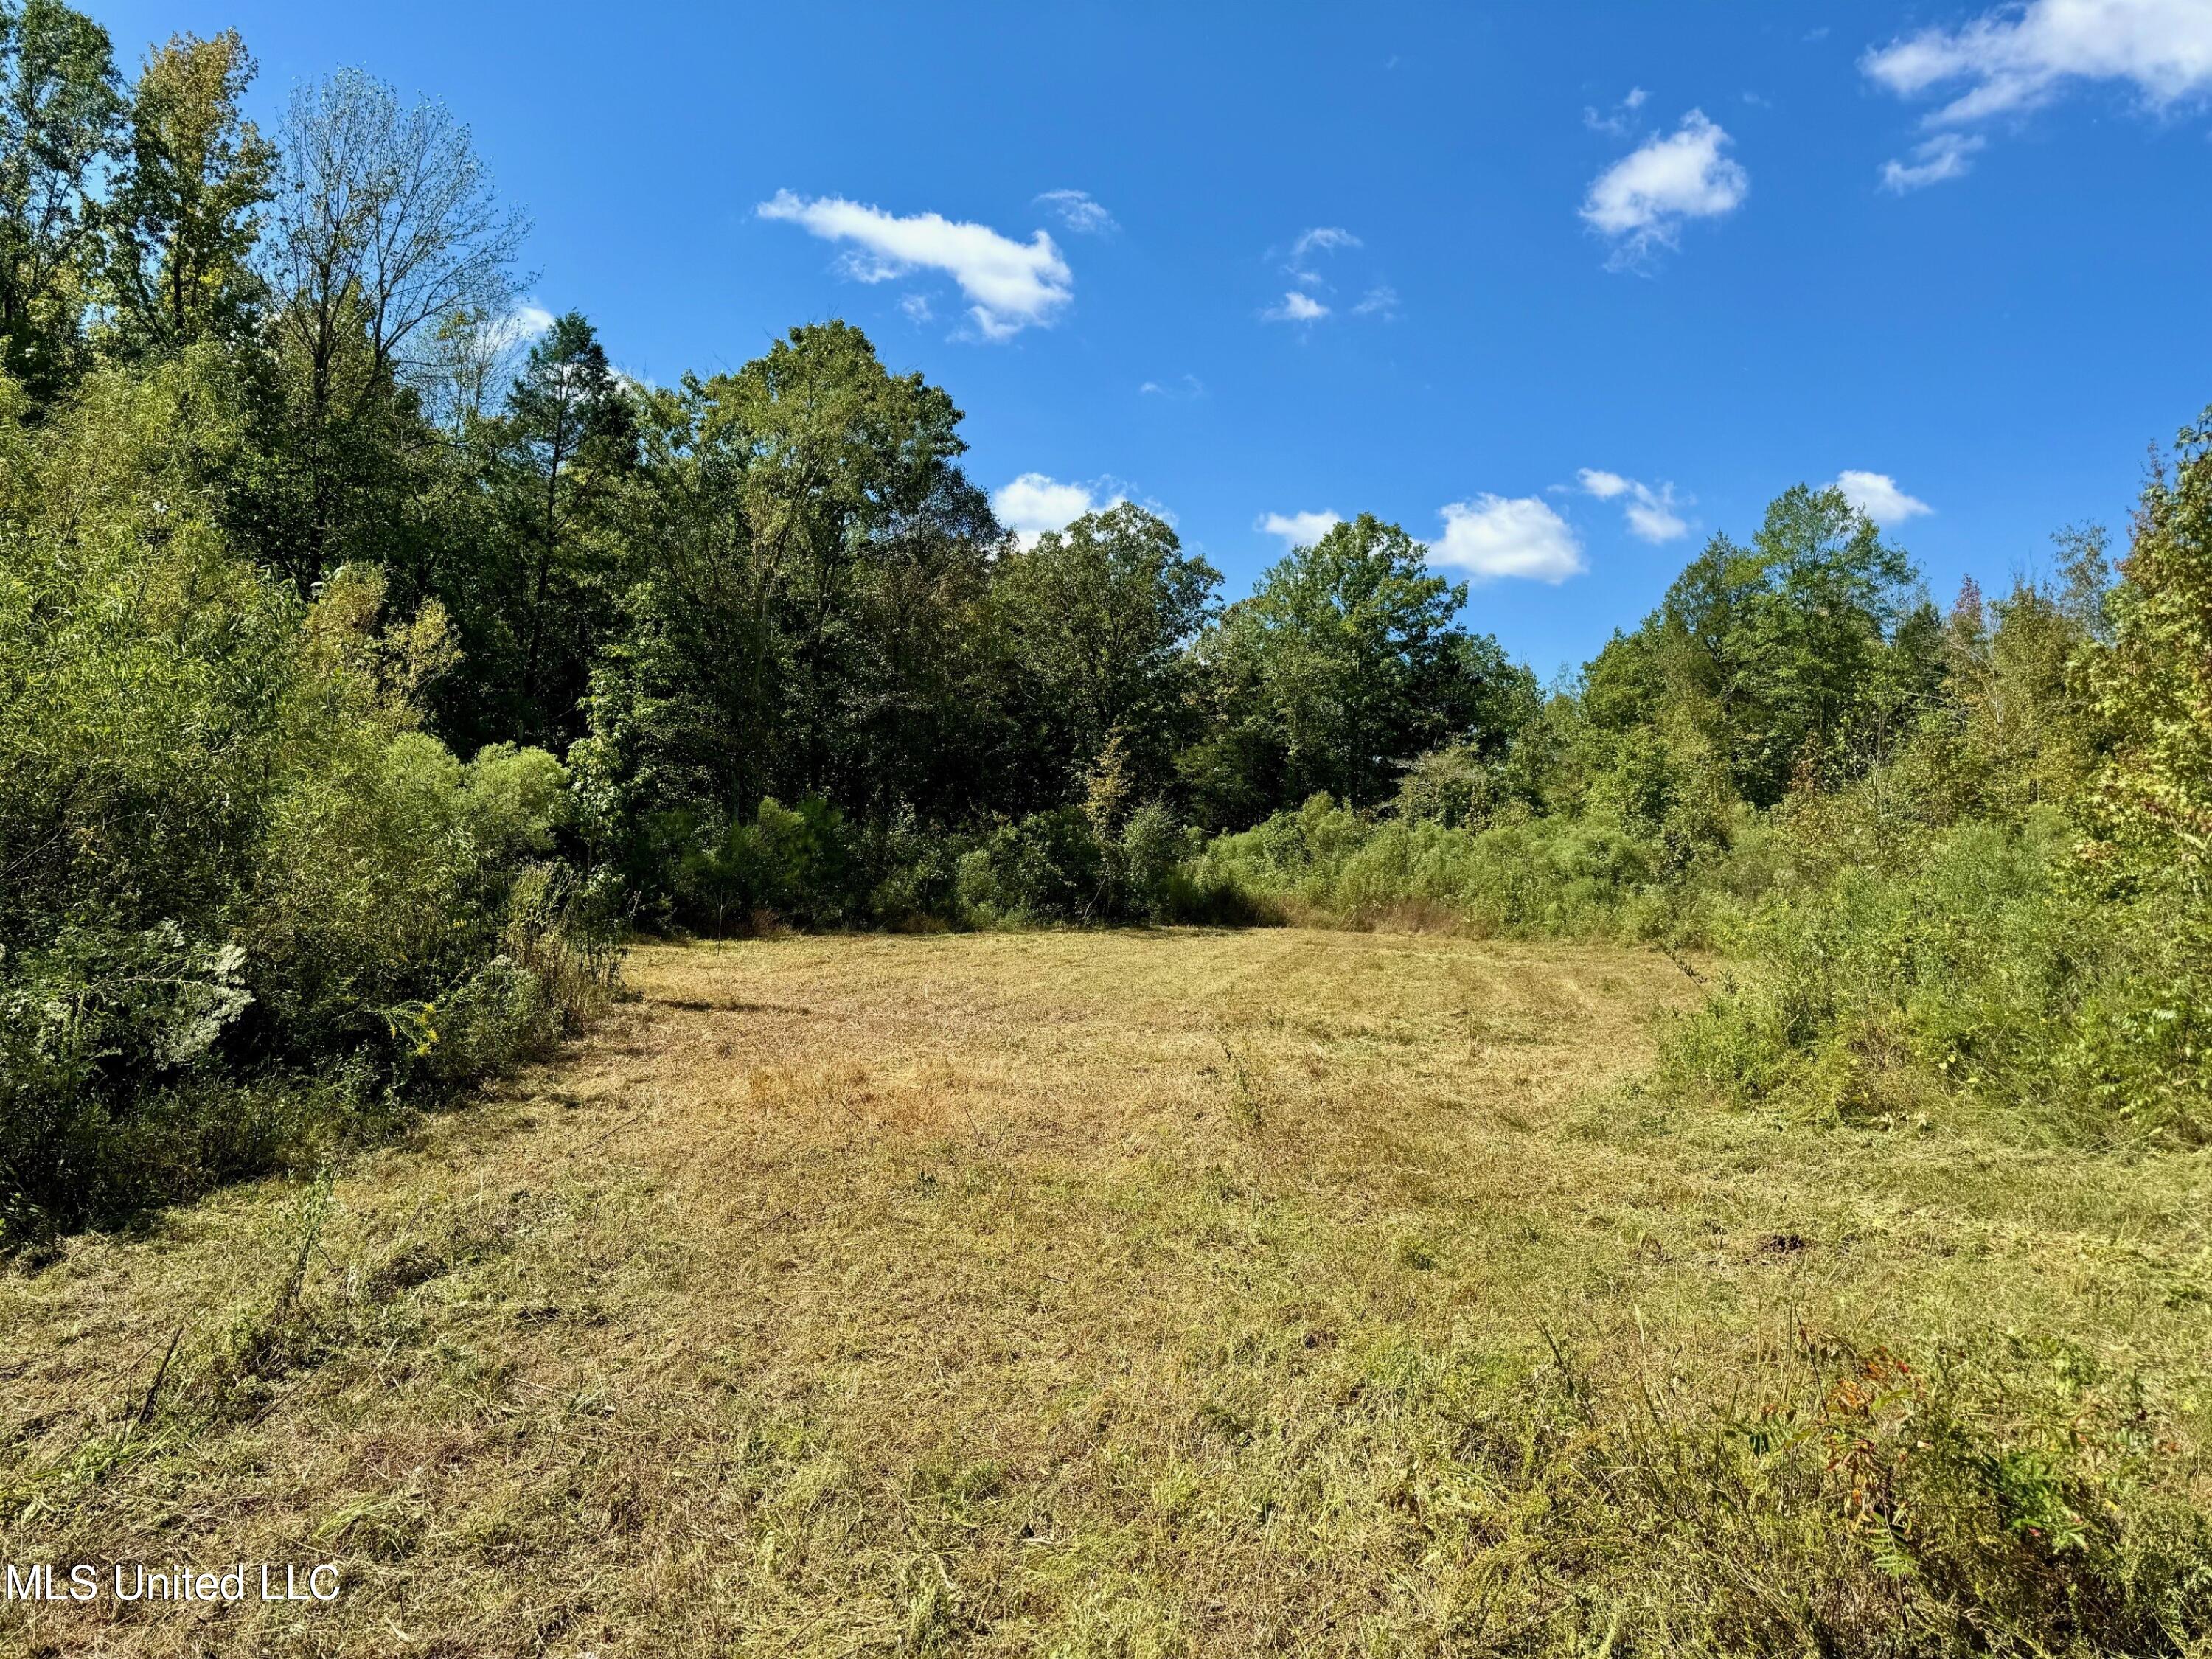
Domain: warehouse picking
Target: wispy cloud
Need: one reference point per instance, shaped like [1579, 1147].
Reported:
[1079, 213]
[1650, 513]
[1641, 201]
[1620, 119]
[1321, 239]
[1876, 494]
[1492, 537]
[1296, 307]
[1182, 388]
[1945, 156]
[1381, 301]
[1298, 529]
[1035, 502]
[2019, 57]
[1309, 252]
[1013, 285]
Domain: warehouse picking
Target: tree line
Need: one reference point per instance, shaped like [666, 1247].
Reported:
[370, 659]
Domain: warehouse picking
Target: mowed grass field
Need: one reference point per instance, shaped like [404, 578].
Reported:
[1170, 1291]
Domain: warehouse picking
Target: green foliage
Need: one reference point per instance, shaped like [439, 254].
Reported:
[239, 857]
[1098, 619]
[1943, 937]
[1453, 785]
[1974, 976]
[809, 865]
[1049, 865]
[563, 448]
[384, 226]
[2002, 1497]
[1344, 665]
[60, 119]
[276, 552]
[2153, 684]
[186, 216]
[515, 800]
[794, 863]
[1795, 660]
[808, 620]
[1520, 876]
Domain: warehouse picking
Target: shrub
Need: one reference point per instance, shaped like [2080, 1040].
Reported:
[1978, 973]
[236, 860]
[794, 862]
[1047, 866]
[1519, 875]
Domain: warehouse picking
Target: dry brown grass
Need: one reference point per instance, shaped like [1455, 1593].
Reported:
[1171, 1292]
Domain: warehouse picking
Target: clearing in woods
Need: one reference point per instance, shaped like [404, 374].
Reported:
[1119, 1292]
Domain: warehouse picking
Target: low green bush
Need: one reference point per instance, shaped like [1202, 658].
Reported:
[1980, 973]
[1520, 876]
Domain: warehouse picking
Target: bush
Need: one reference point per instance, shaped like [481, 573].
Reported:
[1047, 866]
[1980, 973]
[793, 862]
[1520, 876]
[237, 860]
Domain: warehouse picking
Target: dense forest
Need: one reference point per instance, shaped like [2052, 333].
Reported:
[370, 664]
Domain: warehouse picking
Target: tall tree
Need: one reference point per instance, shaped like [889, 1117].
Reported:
[811, 619]
[568, 438]
[1099, 617]
[839, 453]
[1344, 665]
[61, 109]
[186, 213]
[386, 224]
[2153, 683]
[1778, 645]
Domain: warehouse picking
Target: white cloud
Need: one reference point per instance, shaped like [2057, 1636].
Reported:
[1643, 200]
[1936, 159]
[1490, 535]
[518, 328]
[1298, 529]
[1302, 265]
[1013, 285]
[1876, 494]
[1321, 239]
[1650, 513]
[1655, 521]
[1034, 503]
[1079, 213]
[1622, 118]
[2019, 56]
[1182, 388]
[1381, 301]
[1297, 307]
[917, 306]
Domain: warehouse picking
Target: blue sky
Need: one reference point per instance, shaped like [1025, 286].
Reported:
[1542, 283]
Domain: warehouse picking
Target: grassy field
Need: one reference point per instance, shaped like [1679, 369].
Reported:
[1125, 1293]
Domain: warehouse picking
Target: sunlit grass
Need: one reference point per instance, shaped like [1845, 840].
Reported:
[1171, 1292]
